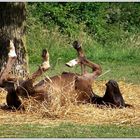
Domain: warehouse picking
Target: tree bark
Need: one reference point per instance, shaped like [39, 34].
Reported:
[12, 27]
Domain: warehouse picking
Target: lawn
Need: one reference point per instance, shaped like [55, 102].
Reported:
[69, 130]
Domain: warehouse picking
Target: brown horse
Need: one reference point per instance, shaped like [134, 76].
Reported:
[80, 84]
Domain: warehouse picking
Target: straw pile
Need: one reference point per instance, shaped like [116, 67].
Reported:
[62, 106]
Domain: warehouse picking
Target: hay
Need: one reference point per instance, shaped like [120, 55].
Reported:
[61, 106]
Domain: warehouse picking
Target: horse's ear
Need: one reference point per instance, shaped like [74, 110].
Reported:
[106, 84]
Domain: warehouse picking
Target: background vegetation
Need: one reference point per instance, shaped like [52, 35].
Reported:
[108, 32]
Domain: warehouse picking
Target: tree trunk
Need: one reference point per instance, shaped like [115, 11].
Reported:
[12, 27]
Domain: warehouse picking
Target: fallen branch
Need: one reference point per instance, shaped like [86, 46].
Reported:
[104, 73]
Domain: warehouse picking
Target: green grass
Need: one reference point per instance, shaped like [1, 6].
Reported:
[68, 130]
[122, 67]
[121, 58]
[120, 71]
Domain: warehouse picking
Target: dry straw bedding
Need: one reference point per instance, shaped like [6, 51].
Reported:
[59, 108]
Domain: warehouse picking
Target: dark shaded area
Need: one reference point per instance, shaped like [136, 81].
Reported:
[13, 100]
[12, 13]
[102, 20]
[4, 43]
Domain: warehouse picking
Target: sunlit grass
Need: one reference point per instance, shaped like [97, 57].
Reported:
[68, 130]
[121, 58]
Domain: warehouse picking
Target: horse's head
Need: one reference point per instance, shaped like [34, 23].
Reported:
[112, 86]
